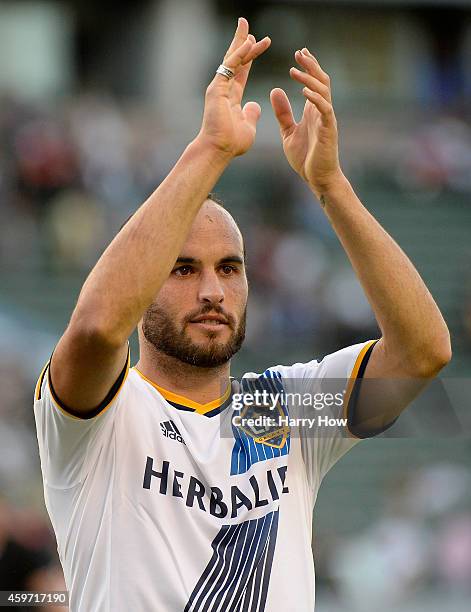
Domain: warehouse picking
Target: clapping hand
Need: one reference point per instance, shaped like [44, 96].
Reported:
[227, 126]
[311, 146]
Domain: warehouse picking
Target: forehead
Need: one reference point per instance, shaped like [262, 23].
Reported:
[213, 233]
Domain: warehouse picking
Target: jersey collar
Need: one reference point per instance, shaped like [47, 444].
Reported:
[183, 403]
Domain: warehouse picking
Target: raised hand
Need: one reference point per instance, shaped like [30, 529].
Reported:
[311, 146]
[227, 126]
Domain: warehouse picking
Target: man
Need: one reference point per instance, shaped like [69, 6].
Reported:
[154, 509]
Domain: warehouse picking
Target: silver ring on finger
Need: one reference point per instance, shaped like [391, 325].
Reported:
[225, 71]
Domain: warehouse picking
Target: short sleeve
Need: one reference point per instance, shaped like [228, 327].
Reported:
[66, 441]
[335, 378]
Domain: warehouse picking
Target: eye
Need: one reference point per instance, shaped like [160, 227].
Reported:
[228, 269]
[185, 270]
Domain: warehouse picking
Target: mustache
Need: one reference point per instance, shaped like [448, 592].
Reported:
[211, 309]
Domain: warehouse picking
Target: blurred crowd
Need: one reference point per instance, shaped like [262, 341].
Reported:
[28, 559]
[68, 175]
[438, 157]
[420, 542]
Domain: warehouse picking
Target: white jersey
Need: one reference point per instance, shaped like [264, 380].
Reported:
[155, 511]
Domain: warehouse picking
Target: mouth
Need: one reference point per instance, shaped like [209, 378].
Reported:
[212, 322]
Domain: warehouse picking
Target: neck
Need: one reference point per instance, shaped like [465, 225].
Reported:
[201, 385]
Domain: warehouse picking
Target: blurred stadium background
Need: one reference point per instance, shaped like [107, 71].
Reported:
[97, 100]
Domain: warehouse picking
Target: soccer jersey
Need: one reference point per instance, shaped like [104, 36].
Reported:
[162, 504]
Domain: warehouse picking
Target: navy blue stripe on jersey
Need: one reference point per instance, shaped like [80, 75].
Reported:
[221, 546]
[262, 579]
[242, 559]
[112, 393]
[220, 540]
[246, 451]
[231, 558]
[258, 589]
[354, 427]
[239, 459]
[210, 413]
[40, 384]
[180, 406]
[220, 408]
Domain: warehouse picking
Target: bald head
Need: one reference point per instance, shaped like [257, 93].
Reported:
[211, 199]
[214, 224]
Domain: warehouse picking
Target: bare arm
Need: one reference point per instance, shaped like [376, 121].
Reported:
[415, 338]
[415, 341]
[129, 274]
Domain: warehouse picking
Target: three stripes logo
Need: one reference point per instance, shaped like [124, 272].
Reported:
[169, 430]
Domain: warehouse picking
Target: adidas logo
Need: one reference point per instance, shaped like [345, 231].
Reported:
[169, 430]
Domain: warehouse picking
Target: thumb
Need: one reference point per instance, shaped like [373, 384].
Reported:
[282, 109]
[252, 112]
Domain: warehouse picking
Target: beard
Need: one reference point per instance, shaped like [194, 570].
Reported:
[159, 329]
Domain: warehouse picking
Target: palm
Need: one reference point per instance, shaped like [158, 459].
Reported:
[298, 145]
[244, 129]
[227, 123]
[244, 132]
[307, 147]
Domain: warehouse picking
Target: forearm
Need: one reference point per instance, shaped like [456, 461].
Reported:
[133, 268]
[412, 326]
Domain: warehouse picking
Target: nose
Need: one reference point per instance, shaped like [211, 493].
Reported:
[210, 289]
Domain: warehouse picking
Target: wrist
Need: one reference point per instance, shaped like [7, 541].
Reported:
[335, 185]
[202, 145]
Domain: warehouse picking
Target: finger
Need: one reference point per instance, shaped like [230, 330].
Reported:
[257, 49]
[235, 59]
[244, 71]
[282, 109]
[324, 107]
[252, 112]
[246, 53]
[241, 77]
[240, 35]
[243, 55]
[312, 66]
[311, 82]
[306, 51]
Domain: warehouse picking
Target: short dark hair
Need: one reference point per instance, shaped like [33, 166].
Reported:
[216, 199]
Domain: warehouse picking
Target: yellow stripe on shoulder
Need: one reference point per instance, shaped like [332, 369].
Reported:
[352, 380]
[101, 408]
[39, 383]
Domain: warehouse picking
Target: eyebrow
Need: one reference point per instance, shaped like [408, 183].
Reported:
[228, 259]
